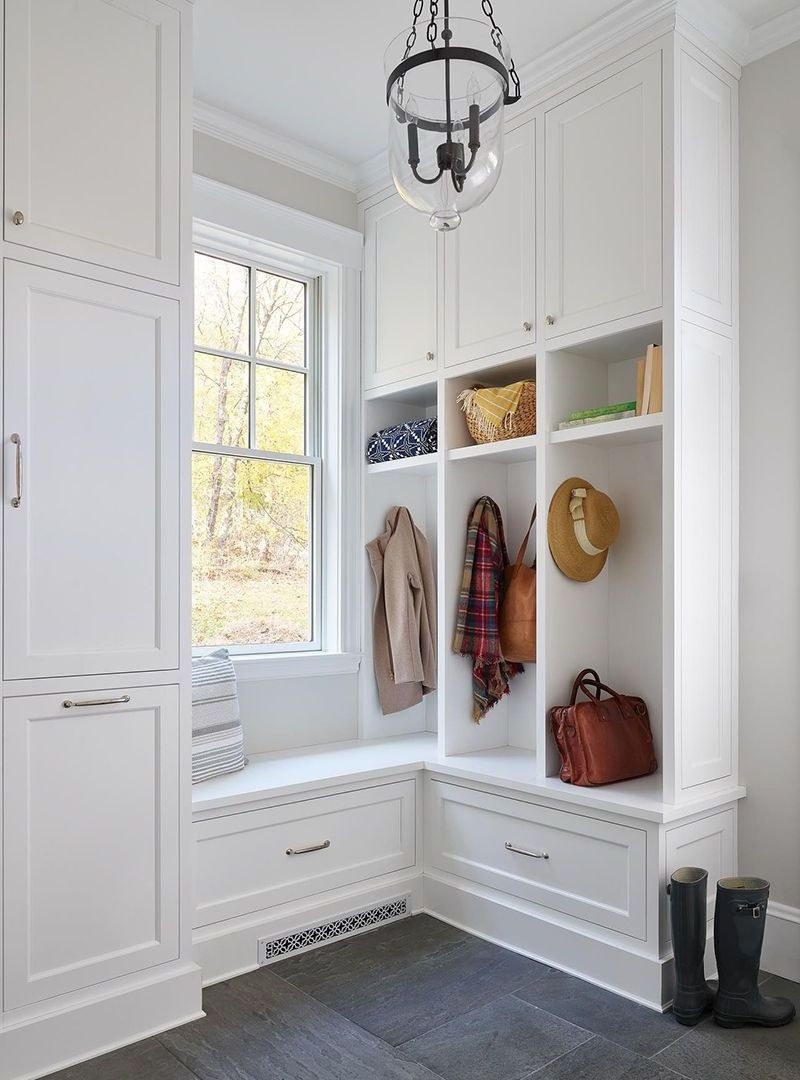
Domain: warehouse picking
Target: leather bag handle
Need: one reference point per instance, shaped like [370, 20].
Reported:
[590, 677]
[524, 545]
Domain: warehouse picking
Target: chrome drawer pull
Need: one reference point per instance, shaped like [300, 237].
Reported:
[97, 701]
[523, 851]
[305, 850]
[17, 441]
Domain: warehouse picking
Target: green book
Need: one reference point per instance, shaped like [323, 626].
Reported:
[603, 410]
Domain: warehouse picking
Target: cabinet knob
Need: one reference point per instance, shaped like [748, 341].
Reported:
[550, 320]
[527, 327]
[18, 217]
[429, 356]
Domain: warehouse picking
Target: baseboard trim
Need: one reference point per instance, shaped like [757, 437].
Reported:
[62, 1039]
[781, 955]
[645, 980]
[225, 950]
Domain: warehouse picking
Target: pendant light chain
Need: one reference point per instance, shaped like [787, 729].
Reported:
[497, 41]
[432, 30]
[411, 41]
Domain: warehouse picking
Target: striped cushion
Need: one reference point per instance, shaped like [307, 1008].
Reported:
[217, 738]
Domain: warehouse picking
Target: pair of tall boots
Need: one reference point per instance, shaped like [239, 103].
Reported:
[738, 936]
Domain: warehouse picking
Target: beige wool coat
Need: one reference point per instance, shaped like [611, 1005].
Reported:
[404, 615]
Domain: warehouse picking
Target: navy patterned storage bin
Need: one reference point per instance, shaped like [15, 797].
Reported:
[403, 441]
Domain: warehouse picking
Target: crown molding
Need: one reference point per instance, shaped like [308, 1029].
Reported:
[231, 129]
[775, 34]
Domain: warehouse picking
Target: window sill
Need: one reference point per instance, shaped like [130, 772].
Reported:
[256, 667]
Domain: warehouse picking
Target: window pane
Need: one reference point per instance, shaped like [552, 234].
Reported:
[251, 552]
[221, 304]
[280, 410]
[220, 400]
[280, 319]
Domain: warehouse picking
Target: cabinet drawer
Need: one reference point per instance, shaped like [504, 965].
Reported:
[91, 837]
[260, 858]
[594, 870]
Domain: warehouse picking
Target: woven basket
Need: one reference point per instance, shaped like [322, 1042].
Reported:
[515, 426]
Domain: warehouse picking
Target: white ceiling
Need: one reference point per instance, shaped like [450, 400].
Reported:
[312, 70]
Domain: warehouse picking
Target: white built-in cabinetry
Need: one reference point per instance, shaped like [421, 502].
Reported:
[613, 227]
[96, 256]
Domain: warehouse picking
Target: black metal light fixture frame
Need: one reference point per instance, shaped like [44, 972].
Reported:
[450, 155]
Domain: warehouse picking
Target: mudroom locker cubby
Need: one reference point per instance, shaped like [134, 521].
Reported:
[613, 229]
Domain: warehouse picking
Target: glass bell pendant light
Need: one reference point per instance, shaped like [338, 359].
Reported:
[447, 82]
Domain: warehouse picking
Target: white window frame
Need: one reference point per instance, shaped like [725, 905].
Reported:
[312, 370]
[245, 228]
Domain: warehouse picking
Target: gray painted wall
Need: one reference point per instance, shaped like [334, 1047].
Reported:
[239, 168]
[769, 839]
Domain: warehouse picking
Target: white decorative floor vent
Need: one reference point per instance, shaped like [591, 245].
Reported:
[270, 949]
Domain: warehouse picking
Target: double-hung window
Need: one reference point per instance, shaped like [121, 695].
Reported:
[256, 458]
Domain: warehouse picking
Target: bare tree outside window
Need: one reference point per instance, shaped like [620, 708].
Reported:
[253, 477]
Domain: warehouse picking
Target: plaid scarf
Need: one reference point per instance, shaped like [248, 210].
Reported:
[477, 629]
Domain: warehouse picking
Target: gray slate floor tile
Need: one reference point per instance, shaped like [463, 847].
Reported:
[505, 1040]
[624, 1022]
[709, 1052]
[148, 1059]
[258, 1027]
[406, 1001]
[378, 954]
[600, 1059]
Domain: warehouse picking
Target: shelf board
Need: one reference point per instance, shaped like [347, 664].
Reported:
[634, 429]
[420, 390]
[423, 465]
[506, 452]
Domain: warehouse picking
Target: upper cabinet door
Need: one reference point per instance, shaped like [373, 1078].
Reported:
[92, 131]
[91, 555]
[603, 201]
[490, 263]
[400, 293]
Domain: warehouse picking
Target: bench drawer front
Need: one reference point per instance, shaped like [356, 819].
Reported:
[595, 870]
[260, 858]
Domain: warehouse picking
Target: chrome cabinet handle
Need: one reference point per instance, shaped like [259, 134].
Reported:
[550, 320]
[17, 441]
[305, 850]
[527, 327]
[18, 217]
[97, 701]
[429, 356]
[524, 851]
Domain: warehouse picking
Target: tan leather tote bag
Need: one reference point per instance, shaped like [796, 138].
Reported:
[518, 607]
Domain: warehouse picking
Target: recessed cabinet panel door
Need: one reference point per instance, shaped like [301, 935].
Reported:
[91, 477]
[93, 131]
[603, 201]
[400, 293]
[490, 262]
[91, 839]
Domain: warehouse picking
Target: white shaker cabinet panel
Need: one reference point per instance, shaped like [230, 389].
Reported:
[91, 451]
[92, 131]
[603, 201]
[90, 870]
[706, 191]
[400, 293]
[490, 263]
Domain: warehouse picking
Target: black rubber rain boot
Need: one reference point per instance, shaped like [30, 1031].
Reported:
[738, 937]
[687, 896]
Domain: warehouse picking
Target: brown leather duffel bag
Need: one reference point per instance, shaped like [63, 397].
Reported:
[602, 741]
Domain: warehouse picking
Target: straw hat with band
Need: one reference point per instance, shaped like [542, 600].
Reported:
[582, 525]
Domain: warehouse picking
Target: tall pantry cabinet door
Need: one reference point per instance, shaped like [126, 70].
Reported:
[91, 476]
[90, 871]
[400, 293]
[603, 201]
[92, 131]
[490, 262]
